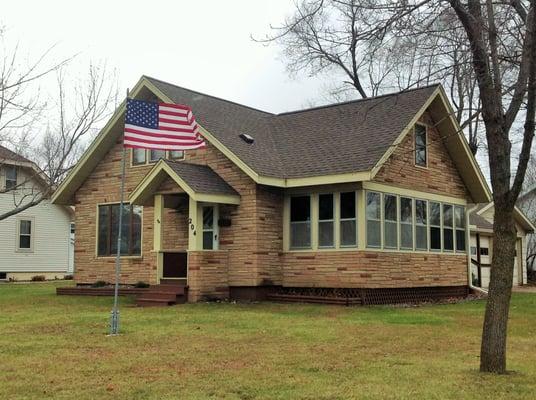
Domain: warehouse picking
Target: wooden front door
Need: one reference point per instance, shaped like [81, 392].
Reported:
[175, 265]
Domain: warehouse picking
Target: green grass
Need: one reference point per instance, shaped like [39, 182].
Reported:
[56, 347]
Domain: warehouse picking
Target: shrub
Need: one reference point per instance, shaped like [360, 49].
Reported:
[99, 284]
[38, 278]
[141, 284]
[68, 277]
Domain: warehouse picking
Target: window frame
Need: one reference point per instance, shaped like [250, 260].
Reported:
[109, 232]
[148, 156]
[425, 165]
[332, 220]
[385, 222]
[380, 220]
[444, 227]
[30, 249]
[6, 180]
[310, 222]
[425, 225]
[411, 223]
[463, 229]
[338, 225]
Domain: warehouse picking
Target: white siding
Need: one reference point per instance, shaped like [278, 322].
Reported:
[50, 233]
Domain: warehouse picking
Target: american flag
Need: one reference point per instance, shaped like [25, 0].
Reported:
[161, 126]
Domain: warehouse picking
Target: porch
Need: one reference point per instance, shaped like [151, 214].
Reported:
[187, 201]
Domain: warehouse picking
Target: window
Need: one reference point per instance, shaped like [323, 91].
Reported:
[459, 221]
[421, 225]
[435, 226]
[300, 222]
[390, 224]
[448, 232]
[11, 176]
[406, 223]
[473, 250]
[25, 235]
[325, 220]
[108, 230]
[420, 146]
[484, 251]
[156, 155]
[176, 154]
[373, 210]
[139, 156]
[348, 227]
[208, 228]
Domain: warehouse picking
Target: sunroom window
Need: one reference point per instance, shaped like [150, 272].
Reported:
[435, 226]
[300, 222]
[390, 222]
[459, 220]
[373, 219]
[406, 223]
[421, 225]
[325, 220]
[348, 228]
[448, 232]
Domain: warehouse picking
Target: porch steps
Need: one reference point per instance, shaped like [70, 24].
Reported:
[165, 294]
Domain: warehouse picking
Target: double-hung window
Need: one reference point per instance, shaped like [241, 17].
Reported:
[390, 225]
[421, 224]
[373, 211]
[435, 226]
[459, 221]
[139, 156]
[108, 224]
[421, 156]
[448, 231]
[24, 241]
[176, 154]
[300, 222]
[155, 155]
[406, 223]
[326, 220]
[11, 176]
[348, 221]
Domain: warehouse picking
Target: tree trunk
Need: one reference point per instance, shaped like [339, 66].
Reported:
[493, 350]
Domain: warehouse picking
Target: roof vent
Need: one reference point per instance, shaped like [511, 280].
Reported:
[246, 138]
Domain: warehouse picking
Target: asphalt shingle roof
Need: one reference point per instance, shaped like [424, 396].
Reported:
[8, 155]
[201, 178]
[334, 139]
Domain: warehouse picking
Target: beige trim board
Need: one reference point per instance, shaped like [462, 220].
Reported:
[379, 187]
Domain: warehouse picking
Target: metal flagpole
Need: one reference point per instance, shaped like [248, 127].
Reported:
[114, 319]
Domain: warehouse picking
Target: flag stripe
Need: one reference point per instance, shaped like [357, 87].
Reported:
[166, 138]
[170, 131]
[139, 145]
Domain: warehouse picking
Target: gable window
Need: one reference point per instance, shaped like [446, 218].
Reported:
[108, 224]
[373, 210]
[176, 154]
[421, 156]
[435, 226]
[155, 155]
[25, 240]
[421, 225]
[300, 222]
[406, 223]
[139, 156]
[390, 225]
[459, 221]
[448, 231]
[11, 176]
[348, 223]
[325, 220]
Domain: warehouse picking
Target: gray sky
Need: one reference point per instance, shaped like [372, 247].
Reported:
[202, 45]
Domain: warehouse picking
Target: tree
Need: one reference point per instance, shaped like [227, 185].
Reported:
[77, 109]
[490, 43]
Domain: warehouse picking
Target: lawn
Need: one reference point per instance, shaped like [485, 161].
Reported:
[56, 347]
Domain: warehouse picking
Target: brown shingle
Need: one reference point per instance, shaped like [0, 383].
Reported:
[340, 138]
[201, 178]
[8, 155]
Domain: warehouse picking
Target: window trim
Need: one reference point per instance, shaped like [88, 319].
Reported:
[127, 256]
[425, 145]
[19, 249]
[149, 162]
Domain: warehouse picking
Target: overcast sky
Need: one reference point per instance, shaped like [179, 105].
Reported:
[202, 45]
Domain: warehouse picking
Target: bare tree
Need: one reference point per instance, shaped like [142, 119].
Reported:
[492, 43]
[81, 107]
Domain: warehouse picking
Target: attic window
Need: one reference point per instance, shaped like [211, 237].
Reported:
[247, 138]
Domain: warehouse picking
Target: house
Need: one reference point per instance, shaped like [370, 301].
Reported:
[40, 239]
[527, 203]
[367, 195]
[481, 228]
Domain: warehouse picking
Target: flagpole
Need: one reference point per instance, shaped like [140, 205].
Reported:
[114, 320]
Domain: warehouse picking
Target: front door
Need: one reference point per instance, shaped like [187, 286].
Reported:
[210, 228]
[175, 265]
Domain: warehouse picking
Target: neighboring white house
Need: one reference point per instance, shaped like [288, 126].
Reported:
[527, 203]
[39, 240]
[481, 228]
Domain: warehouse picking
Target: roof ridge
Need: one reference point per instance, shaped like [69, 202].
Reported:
[209, 95]
[359, 100]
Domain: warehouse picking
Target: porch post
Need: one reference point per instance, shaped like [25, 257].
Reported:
[157, 239]
[195, 226]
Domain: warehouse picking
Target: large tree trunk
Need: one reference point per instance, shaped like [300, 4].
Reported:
[493, 350]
